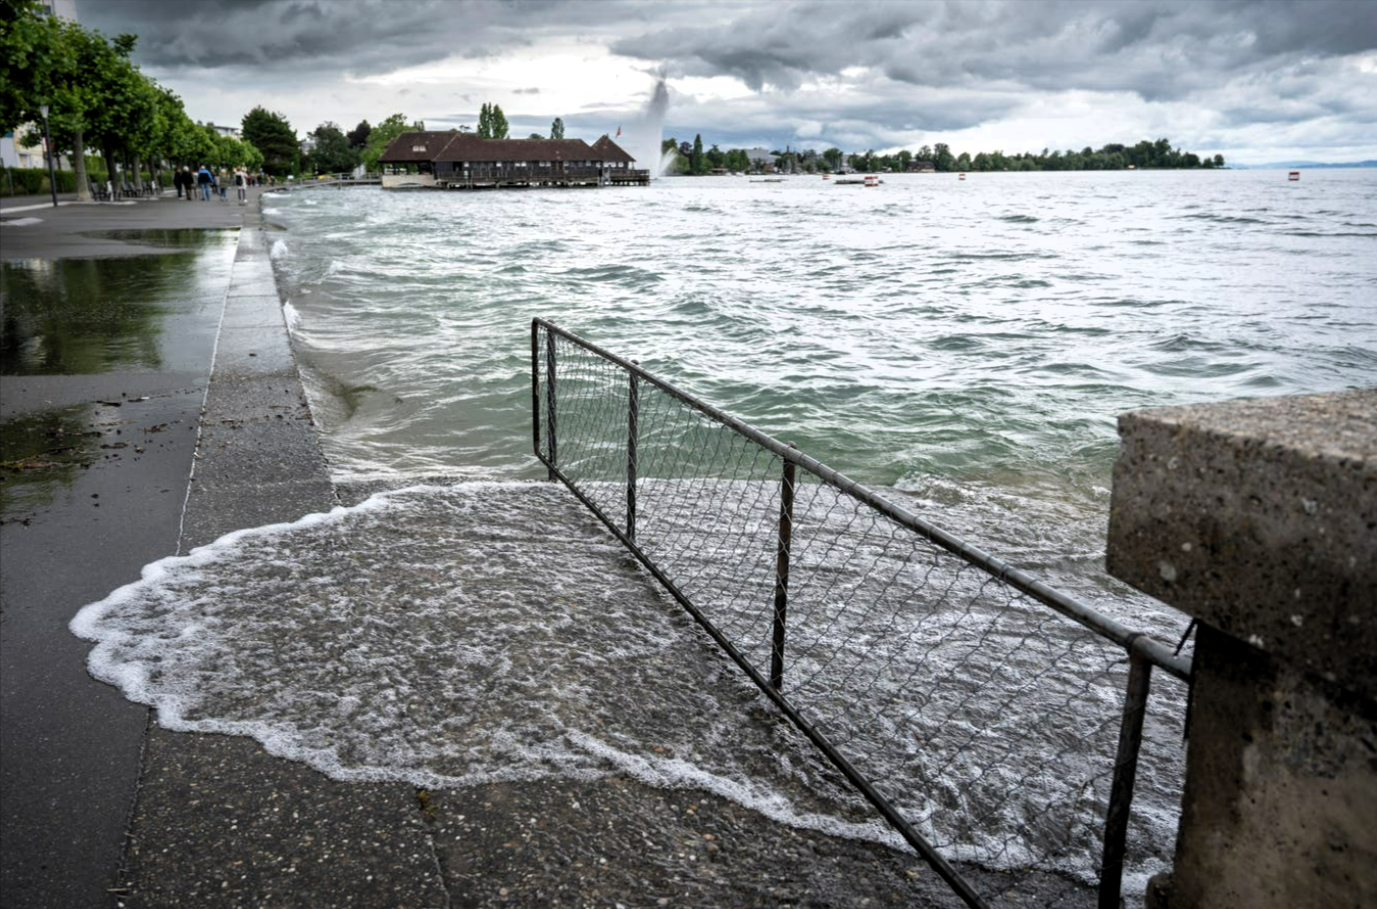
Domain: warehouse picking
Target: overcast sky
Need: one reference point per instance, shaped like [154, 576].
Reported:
[1254, 81]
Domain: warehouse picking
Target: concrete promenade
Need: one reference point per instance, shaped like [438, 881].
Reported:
[103, 808]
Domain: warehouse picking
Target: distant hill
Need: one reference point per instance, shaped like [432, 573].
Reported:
[1296, 165]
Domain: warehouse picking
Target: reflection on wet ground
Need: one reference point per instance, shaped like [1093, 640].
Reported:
[168, 238]
[40, 453]
[84, 316]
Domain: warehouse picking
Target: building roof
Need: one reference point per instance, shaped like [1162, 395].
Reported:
[607, 150]
[468, 147]
[411, 147]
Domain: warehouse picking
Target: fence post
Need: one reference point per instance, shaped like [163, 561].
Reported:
[550, 400]
[786, 533]
[535, 386]
[632, 429]
[1125, 772]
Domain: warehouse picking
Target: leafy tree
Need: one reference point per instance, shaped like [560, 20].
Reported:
[382, 135]
[332, 153]
[272, 135]
[535, 136]
[942, 159]
[485, 121]
[716, 157]
[499, 123]
[698, 164]
[34, 59]
[833, 157]
[557, 128]
[1218, 160]
[358, 136]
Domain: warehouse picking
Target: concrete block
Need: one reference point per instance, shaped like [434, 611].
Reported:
[1259, 518]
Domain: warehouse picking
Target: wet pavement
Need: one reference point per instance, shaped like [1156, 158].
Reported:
[100, 395]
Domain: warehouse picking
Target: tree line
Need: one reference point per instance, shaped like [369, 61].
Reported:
[692, 159]
[98, 100]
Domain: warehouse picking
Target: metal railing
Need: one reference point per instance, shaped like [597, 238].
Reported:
[974, 707]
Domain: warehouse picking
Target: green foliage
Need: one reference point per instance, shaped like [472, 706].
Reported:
[698, 162]
[332, 153]
[274, 137]
[492, 123]
[33, 57]
[382, 135]
[557, 128]
[535, 136]
[358, 136]
[33, 181]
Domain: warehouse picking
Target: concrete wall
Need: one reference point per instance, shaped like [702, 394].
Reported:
[1259, 519]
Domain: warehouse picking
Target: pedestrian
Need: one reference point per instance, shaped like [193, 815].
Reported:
[241, 185]
[204, 181]
[222, 184]
[188, 181]
[177, 182]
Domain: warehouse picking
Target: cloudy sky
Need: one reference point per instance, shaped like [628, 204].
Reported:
[1254, 81]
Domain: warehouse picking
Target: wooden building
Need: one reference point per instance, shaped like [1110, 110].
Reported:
[455, 160]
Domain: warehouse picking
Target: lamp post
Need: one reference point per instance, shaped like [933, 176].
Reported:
[48, 147]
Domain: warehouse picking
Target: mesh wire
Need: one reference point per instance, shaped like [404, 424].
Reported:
[988, 720]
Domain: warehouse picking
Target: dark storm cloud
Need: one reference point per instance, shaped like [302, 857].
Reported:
[1159, 50]
[283, 36]
[868, 73]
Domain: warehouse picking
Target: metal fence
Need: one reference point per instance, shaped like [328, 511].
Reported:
[988, 718]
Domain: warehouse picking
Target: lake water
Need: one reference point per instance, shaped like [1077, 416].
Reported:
[970, 343]
[964, 346]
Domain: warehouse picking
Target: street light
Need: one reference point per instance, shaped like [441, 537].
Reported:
[48, 147]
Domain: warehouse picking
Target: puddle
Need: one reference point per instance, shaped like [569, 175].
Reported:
[84, 316]
[167, 238]
[41, 454]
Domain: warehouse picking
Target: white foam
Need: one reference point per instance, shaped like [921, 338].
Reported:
[292, 317]
[20, 222]
[279, 249]
[488, 631]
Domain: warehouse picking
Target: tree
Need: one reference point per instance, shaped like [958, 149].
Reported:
[499, 123]
[332, 153]
[698, 164]
[382, 135]
[1218, 160]
[358, 136]
[272, 135]
[833, 157]
[557, 128]
[535, 136]
[942, 159]
[485, 121]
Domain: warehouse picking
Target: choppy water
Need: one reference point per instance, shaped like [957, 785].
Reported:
[966, 345]
[969, 343]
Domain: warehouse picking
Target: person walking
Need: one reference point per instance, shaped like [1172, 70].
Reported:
[204, 181]
[241, 185]
[222, 184]
[188, 181]
[177, 182]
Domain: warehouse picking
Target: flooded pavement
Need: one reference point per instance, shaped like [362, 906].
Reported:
[105, 365]
[141, 313]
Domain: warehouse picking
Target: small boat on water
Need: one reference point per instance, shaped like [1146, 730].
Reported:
[858, 180]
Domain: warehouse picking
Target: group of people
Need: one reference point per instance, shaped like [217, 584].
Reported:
[210, 183]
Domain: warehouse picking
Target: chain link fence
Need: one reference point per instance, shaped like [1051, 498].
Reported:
[989, 719]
